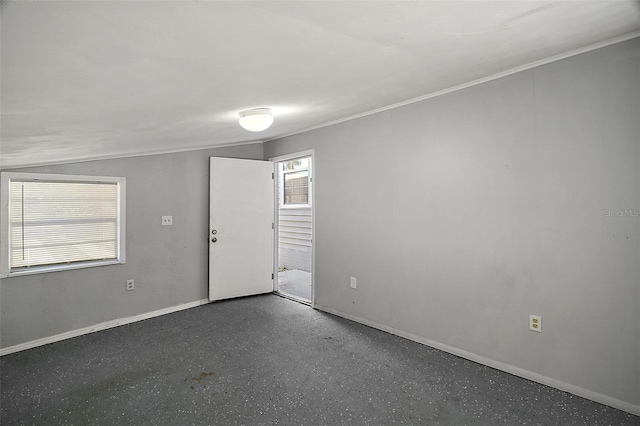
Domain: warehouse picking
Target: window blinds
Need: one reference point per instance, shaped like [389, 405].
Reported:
[62, 222]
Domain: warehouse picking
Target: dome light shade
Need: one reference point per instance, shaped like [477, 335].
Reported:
[256, 120]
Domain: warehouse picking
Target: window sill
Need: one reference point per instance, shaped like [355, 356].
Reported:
[57, 268]
[295, 206]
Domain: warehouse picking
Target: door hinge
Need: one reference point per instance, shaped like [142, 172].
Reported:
[272, 226]
[271, 276]
[273, 175]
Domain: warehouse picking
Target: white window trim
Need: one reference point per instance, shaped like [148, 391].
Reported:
[5, 263]
[295, 206]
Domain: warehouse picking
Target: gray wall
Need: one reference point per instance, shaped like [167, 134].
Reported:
[462, 214]
[169, 264]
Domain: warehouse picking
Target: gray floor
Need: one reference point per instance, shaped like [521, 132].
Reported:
[296, 283]
[267, 360]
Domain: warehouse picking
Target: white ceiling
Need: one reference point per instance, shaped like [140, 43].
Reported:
[91, 79]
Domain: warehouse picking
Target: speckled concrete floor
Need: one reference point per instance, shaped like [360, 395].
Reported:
[267, 360]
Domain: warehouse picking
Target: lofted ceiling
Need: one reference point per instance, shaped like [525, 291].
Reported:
[103, 79]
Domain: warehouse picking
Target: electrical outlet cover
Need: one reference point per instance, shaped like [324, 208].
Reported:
[535, 323]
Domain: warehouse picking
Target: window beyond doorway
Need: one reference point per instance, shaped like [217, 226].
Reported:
[296, 182]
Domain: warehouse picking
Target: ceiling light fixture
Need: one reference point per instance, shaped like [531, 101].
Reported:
[256, 120]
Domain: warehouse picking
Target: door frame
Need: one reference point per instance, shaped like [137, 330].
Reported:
[276, 214]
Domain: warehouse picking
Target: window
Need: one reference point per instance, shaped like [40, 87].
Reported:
[295, 181]
[55, 222]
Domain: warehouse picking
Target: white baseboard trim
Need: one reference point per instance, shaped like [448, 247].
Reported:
[516, 371]
[99, 327]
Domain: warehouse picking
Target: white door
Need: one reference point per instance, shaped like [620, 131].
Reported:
[240, 227]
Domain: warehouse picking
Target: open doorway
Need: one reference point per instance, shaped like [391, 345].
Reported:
[294, 226]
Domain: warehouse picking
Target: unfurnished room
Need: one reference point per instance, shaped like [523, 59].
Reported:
[320, 212]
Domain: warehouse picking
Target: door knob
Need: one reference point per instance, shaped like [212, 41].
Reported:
[214, 239]
[214, 232]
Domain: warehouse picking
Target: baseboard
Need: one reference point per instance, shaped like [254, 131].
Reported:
[516, 371]
[99, 327]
